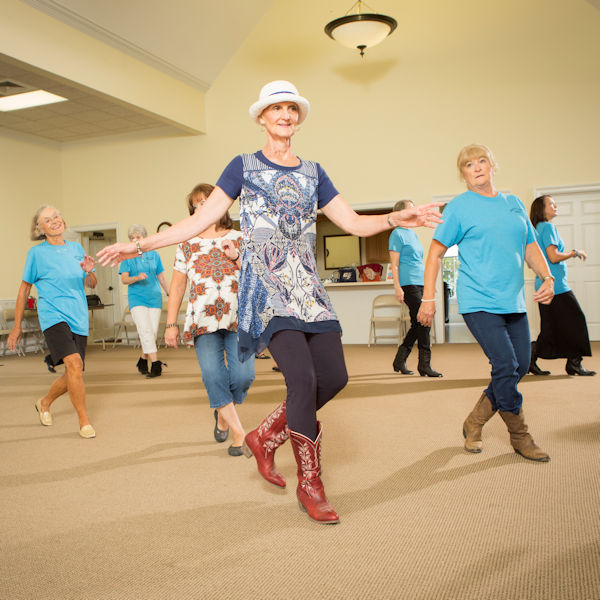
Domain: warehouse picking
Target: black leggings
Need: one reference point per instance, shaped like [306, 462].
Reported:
[314, 370]
[412, 297]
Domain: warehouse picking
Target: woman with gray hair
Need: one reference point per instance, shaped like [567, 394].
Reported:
[59, 270]
[144, 276]
[282, 302]
[406, 256]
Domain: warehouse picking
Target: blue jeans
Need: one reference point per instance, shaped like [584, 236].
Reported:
[225, 382]
[505, 341]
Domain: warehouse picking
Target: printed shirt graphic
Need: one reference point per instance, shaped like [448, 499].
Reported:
[279, 279]
[213, 278]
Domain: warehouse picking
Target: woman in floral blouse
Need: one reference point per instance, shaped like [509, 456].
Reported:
[283, 304]
[210, 262]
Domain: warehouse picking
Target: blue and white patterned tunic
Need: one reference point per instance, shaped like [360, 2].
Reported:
[280, 286]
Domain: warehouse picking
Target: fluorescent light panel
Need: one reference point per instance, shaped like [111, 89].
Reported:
[28, 100]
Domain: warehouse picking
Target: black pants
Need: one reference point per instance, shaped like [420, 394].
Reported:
[417, 332]
[314, 370]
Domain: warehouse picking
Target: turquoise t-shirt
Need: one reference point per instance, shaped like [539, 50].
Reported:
[57, 274]
[147, 291]
[410, 264]
[491, 234]
[547, 235]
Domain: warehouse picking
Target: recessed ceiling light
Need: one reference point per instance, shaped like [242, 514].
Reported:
[28, 100]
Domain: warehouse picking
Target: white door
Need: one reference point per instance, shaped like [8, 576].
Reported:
[107, 289]
[578, 224]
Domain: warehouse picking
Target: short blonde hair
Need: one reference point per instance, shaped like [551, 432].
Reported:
[402, 204]
[136, 229]
[35, 233]
[475, 151]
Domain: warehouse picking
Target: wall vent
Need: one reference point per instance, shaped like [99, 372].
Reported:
[10, 87]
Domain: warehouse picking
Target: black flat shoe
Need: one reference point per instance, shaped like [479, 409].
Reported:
[263, 356]
[277, 369]
[235, 450]
[220, 436]
[49, 363]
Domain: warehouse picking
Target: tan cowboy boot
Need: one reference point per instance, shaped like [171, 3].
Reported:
[520, 439]
[474, 423]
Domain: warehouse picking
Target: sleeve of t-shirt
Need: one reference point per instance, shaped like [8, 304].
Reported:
[450, 231]
[549, 236]
[124, 267]
[326, 191]
[158, 265]
[30, 272]
[232, 178]
[531, 237]
[396, 241]
[180, 263]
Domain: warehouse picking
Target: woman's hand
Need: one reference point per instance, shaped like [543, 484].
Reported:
[424, 215]
[172, 336]
[399, 294]
[14, 338]
[425, 314]
[87, 264]
[141, 276]
[112, 255]
[581, 254]
[230, 250]
[545, 292]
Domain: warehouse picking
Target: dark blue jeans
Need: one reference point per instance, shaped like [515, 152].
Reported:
[505, 341]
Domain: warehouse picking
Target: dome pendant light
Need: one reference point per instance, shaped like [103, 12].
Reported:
[360, 30]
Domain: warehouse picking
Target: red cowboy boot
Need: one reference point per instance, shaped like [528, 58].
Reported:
[264, 440]
[310, 491]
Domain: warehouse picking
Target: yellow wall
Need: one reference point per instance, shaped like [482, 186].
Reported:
[30, 175]
[521, 77]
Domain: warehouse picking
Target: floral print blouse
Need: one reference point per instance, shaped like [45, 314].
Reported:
[213, 278]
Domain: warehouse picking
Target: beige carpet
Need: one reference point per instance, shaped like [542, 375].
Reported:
[153, 508]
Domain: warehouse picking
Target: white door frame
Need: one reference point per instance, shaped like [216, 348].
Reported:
[117, 310]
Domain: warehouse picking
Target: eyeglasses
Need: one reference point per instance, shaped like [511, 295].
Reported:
[49, 219]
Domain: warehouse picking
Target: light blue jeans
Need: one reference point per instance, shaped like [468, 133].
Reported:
[225, 378]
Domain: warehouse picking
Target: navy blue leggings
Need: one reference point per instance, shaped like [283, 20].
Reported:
[314, 370]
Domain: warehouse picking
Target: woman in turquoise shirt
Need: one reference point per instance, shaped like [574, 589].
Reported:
[144, 276]
[495, 238]
[406, 256]
[59, 270]
[563, 330]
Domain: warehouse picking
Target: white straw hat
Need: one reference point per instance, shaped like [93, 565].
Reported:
[279, 91]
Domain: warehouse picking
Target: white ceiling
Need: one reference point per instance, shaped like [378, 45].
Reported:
[190, 40]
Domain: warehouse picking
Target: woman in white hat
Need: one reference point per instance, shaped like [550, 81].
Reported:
[282, 303]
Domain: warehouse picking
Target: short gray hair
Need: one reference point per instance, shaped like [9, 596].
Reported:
[402, 204]
[35, 233]
[136, 229]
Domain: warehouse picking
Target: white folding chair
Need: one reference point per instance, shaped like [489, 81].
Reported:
[391, 315]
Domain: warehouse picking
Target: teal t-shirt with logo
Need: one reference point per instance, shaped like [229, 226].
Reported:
[491, 234]
[410, 264]
[145, 292]
[57, 274]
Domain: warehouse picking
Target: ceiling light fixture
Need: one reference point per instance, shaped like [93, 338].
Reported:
[360, 30]
[28, 100]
